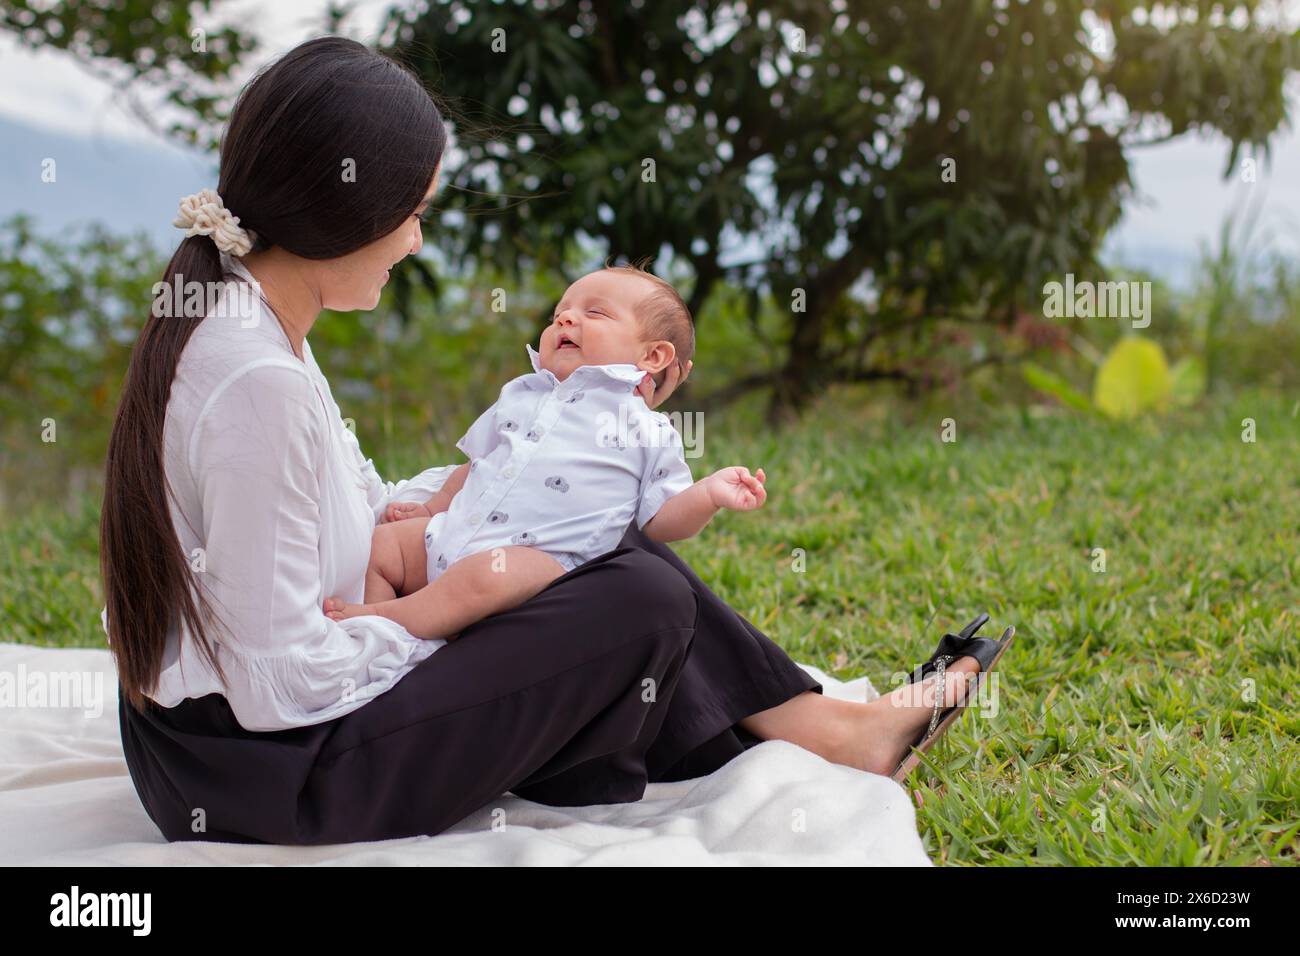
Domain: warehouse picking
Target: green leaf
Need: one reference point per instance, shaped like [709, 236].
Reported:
[1187, 380]
[1052, 384]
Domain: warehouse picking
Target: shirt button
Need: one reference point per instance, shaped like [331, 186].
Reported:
[475, 519]
[509, 472]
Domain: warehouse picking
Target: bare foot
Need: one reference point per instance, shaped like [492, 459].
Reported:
[339, 610]
[880, 733]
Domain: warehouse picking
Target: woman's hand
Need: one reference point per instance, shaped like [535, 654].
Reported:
[673, 376]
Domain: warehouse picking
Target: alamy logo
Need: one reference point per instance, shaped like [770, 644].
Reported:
[622, 431]
[1098, 300]
[103, 909]
[196, 300]
[41, 689]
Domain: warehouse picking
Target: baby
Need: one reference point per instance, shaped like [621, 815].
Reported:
[561, 464]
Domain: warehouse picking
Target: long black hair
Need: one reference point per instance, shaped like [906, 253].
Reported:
[327, 149]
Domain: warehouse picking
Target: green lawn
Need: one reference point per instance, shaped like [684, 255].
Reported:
[1146, 715]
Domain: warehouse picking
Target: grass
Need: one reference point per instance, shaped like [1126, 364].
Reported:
[1146, 714]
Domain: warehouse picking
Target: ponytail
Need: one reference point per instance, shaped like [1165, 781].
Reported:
[148, 586]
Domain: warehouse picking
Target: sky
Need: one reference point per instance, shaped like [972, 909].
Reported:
[113, 168]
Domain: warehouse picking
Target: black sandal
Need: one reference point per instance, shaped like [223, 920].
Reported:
[963, 644]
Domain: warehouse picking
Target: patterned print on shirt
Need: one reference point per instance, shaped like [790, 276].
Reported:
[509, 426]
[525, 538]
[557, 483]
[498, 517]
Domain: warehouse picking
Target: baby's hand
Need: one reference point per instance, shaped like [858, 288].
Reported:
[735, 488]
[401, 510]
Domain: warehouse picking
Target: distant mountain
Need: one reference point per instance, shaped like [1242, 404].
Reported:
[127, 184]
[1173, 263]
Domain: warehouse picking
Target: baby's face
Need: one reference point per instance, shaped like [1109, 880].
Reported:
[595, 324]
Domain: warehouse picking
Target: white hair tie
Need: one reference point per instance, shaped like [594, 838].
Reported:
[204, 214]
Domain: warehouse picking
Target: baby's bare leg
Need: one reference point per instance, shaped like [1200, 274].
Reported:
[397, 560]
[473, 588]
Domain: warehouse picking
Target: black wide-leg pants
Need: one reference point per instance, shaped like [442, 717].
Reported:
[626, 670]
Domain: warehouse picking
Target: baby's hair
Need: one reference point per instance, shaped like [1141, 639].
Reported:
[664, 315]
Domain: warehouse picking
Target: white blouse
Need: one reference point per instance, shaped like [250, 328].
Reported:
[274, 505]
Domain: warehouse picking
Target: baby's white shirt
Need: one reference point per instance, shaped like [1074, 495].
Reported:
[563, 467]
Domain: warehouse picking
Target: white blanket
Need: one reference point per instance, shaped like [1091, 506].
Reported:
[66, 798]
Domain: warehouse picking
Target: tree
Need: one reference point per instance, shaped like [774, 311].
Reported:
[947, 155]
[159, 43]
[871, 168]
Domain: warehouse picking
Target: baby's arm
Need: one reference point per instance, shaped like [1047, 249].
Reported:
[471, 589]
[685, 514]
[478, 442]
[441, 500]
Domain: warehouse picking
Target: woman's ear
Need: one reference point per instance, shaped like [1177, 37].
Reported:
[658, 356]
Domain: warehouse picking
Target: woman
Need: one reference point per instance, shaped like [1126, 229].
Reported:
[236, 500]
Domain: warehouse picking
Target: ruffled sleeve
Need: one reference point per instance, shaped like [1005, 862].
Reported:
[256, 456]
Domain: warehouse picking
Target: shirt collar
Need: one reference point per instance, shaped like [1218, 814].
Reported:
[626, 373]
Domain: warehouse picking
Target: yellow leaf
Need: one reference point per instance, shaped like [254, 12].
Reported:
[1133, 379]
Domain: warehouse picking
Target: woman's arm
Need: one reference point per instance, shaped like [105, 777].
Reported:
[257, 454]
